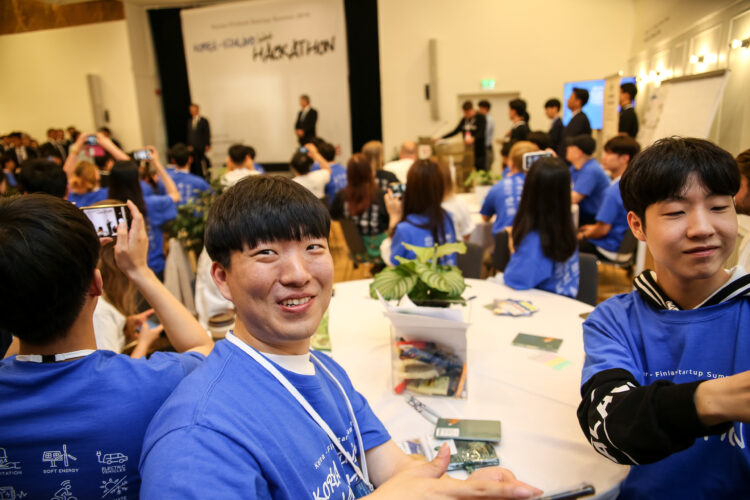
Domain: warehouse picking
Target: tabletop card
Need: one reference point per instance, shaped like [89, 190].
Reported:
[468, 429]
[550, 344]
[512, 307]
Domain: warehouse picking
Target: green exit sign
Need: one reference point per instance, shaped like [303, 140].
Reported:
[488, 83]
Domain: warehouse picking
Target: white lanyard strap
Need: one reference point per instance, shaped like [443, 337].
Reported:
[53, 358]
[309, 409]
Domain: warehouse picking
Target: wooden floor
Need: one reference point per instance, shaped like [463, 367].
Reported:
[612, 279]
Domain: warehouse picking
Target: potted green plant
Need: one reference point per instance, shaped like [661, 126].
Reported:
[482, 180]
[422, 279]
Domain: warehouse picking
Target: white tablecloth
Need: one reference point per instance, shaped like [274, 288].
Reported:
[536, 403]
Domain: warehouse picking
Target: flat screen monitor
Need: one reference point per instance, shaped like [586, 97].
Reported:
[594, 109]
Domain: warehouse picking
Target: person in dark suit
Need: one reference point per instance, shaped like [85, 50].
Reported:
[198, 141]
[473, 127]
[518, 115]
[53, 144]
[18, 151]
[579, 124]
[628, 119]
[552, 110]
[307, 118]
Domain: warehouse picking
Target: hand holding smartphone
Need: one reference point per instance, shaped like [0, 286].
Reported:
[105, 218]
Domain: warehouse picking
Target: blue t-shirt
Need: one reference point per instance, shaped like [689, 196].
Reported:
[161, 209]
[78, 426]
[502, 200]
[189, 185]
[591, 181]
[259, 168]
[627, 333]
[88, 199]
[231, 430]
[528, 267]
[613, 212]
[408, 232]
[338, 180]
[148, 189]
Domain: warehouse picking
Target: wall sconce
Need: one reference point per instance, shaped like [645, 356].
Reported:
[736, 44]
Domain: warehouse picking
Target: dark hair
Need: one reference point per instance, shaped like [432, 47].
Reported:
[360, 184]
[484, 103]
[630, 89]
[124, 184]
[305, 97]
[623, 145]
[237, 153]
[101, 161]
[519, 106]
[106, 130]
[661, 172]
[327, 151]
[743, 162]
[48, 253]
[180, 154]
[582, 95]
[553, 103]
[545, 208]
[467, 106]
[47, 150]
[251, 152]
[42, 176]
[541, 139]
[301, 163]
[584, 142]
[423, 196]
[263, 208]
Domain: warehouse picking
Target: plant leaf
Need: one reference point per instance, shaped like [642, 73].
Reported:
[393, 282]
[449, 248]
[442, 278]
[424, 254]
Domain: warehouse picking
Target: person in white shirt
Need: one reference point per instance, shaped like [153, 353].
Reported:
[314, 180]
[239, 164]
[406, 157]
[742, 203]
[462, 222]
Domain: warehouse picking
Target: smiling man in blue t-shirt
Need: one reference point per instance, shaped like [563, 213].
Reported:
[588, 180]
[265, 417]
[605, 236]
[666, 380]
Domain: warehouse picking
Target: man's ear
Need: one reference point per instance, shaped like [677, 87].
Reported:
[219, 275]
[637, 226]
[97, 284]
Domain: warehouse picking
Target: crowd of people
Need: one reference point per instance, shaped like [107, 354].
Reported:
[665, 380]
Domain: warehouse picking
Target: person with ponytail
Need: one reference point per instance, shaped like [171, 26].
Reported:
[517, 113]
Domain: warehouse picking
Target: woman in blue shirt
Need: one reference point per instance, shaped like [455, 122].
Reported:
[157, 209]
[545, 255]
[422, 221]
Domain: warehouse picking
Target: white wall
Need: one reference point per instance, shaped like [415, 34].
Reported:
[674, 30]
[532, 47]
[44, 81]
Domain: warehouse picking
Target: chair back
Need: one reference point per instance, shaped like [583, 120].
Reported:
[589, 279]
[470, 263]
[353, 239]
[501, 255]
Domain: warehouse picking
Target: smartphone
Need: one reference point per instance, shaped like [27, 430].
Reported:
[153, 321]
[530, 158]
[90, 140]
[578, 491]
[141, 154]
[398, 189]
[302, 149]
[106, 217]
[550, 344]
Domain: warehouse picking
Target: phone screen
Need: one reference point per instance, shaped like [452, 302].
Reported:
[91, 140]
[106, 217]
[142, 154]
[530, 158]
[398, 189]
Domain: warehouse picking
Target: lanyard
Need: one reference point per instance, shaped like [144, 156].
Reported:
[263, 361]
[53, 358]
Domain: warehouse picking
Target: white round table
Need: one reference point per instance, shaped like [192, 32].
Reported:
[533, 393]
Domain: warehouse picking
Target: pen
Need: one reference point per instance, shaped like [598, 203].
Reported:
[428, 413]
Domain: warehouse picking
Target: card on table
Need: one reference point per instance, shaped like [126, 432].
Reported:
[550, 344]
[468, 429]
